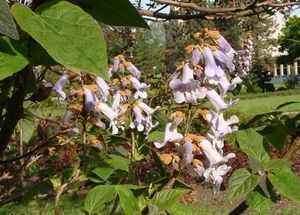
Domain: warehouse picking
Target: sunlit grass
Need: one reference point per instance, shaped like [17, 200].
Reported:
[248, 108]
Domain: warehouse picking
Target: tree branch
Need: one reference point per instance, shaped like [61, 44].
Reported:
[165, 16]
[40, 145]
[199, 12]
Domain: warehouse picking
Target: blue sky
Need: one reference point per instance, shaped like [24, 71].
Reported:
[296, 12]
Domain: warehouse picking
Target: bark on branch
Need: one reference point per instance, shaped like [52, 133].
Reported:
[199, 12]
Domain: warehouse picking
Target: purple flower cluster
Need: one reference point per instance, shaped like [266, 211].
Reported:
[119, 102]
[211, 72]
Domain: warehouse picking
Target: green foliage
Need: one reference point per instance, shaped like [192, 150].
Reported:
[242, 182]
[275, 133]
[12, 56]
[266, 174]
[103, 194]
[149, 53]
[134, 199]
[107, 167]
[289, 41]
[56, 182]
[284, 180]
[114, 12]
[264, 45]
[156, 136]
[28, 127]
[68, 34]
[165, 199]
[98, 197]
[252, 144]
[56, 27]
[180, 209]
[128, 200]
[7, 24]
[259, 201]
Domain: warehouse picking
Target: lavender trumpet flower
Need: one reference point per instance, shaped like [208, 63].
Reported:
[187, 89]
[58, 87]
[89, 100]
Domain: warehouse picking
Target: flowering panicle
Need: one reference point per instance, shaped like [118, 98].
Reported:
[119, 103]
[243, 57]
[211, 72]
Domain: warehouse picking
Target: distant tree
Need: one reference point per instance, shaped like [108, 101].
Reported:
[231, 30]
[149, 50]
[290, 40]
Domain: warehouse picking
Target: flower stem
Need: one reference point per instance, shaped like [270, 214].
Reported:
[115, 207]
[189, 119]
[133, 145]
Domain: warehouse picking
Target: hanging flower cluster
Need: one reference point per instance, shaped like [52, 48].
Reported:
[210, 73]
[25, 2]
[243, 57]
[117, 103]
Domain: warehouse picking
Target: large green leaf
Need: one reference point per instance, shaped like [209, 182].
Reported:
[165, 199]
[106, 168]
[259, 201]
[28, 127]
[181, 209]
[261, 116]
[153, 210]
[98, 197]
[252, 144]
[7, 24]
[12, 57]
[286, 104]
[277, 165]
[103, 172]
[275, 134]
[128, 201]
[118, 164]
[114, 12]
[284, 180]
[70, 36]
[242, 182]
[156, 136]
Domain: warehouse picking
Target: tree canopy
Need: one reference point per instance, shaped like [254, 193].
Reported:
[290, 40]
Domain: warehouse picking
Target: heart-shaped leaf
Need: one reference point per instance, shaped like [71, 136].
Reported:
[7, 23]
[70, 35]
[12, 57]
[114, 12]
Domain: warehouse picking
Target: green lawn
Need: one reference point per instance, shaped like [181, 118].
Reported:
[247, 108]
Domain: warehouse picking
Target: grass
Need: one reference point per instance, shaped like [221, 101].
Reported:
[248, 108]
[73, 205]
[266, 94]
[69, 205]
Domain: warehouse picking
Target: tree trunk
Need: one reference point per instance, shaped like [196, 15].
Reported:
[14, 110]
